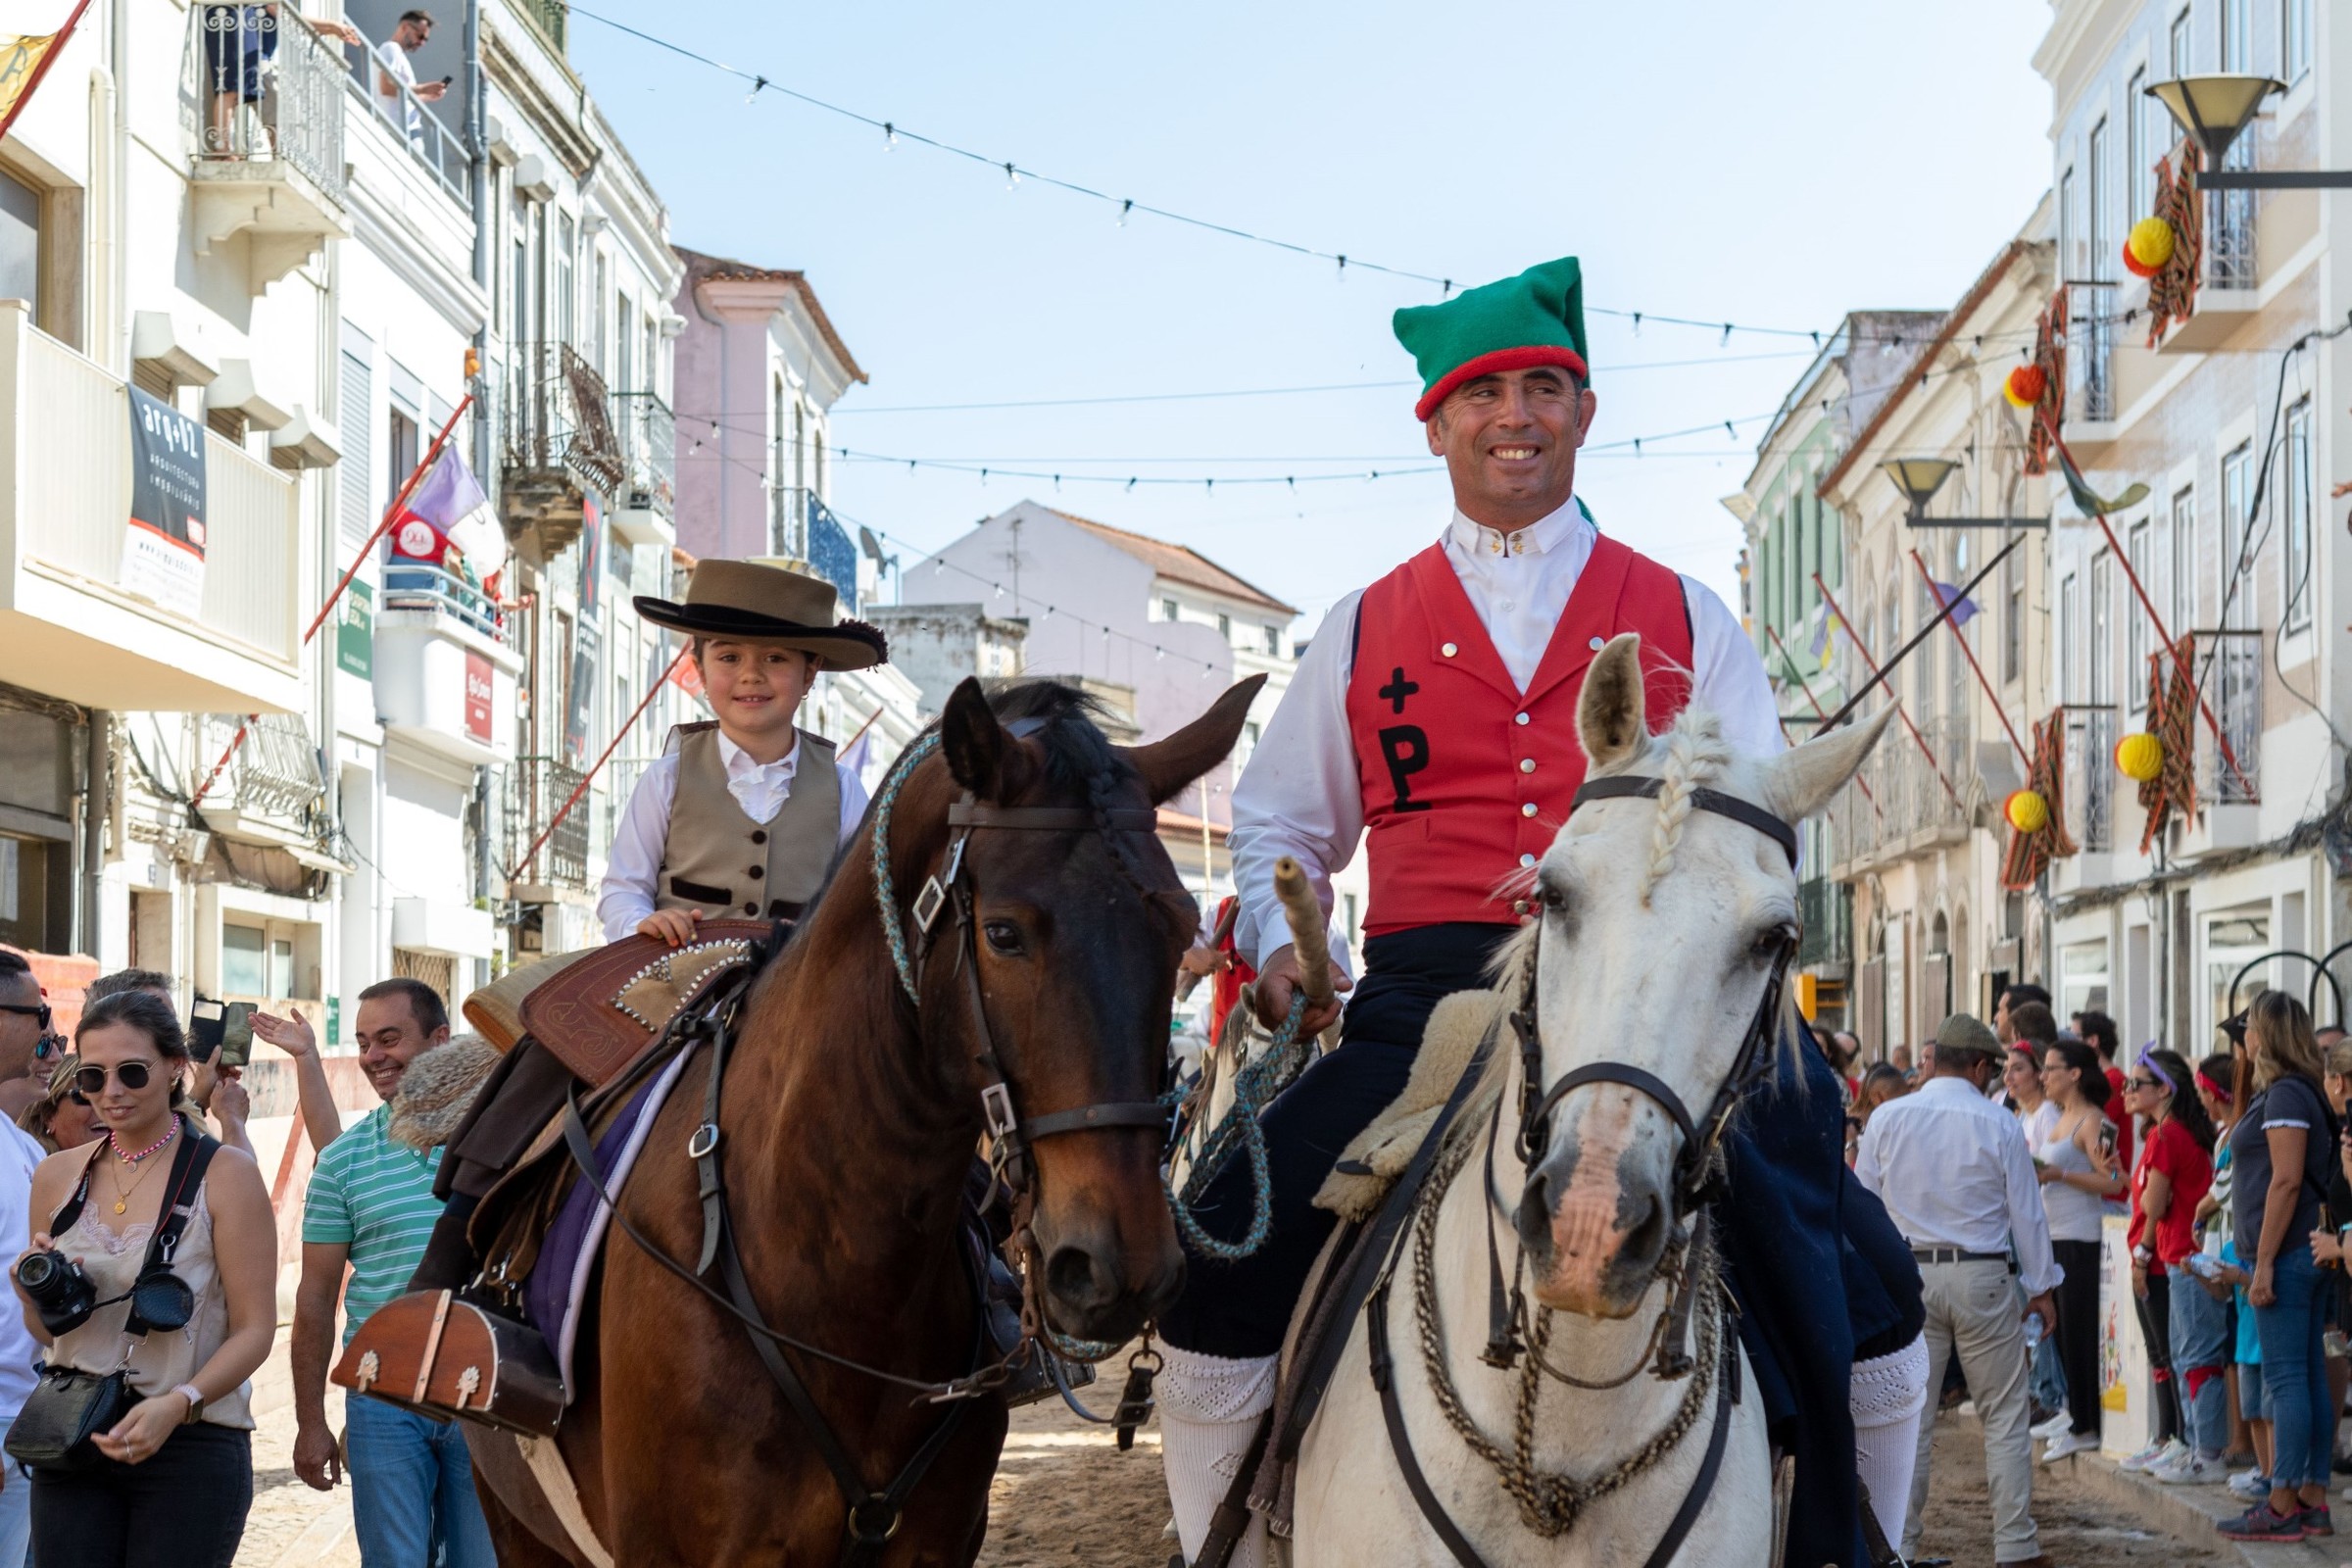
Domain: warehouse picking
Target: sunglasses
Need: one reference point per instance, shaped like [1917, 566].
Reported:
[2141, 1083]
[133, 1075]
[39, 1015]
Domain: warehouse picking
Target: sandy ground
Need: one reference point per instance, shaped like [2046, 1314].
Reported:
[1066, 1494]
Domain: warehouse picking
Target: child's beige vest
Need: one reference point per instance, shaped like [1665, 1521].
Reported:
[719, 860]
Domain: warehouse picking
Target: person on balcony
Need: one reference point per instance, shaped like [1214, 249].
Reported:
[741, 819]
[240, 42]
[397, 90]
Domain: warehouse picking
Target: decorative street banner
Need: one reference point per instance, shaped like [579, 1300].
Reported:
[162, 557]
[582, 705]
[354, 631]
[477, 696]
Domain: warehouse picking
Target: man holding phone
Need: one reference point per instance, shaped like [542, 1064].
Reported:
[395, 73]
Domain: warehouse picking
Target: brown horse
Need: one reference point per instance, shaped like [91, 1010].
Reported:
[848, 1123]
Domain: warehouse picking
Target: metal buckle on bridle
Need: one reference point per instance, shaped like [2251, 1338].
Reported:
[995, 1109]
[703, 1141]
[866, 1534]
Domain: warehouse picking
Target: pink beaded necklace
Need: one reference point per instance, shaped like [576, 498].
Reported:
[170, 1133]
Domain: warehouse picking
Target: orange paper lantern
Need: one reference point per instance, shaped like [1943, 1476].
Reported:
[2135, 265]
[2025, 386]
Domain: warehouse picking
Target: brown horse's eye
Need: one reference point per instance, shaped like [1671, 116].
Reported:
[1003, 935]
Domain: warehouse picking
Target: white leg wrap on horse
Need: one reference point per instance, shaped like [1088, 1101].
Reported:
[1888, 1395]
[1208, 1411]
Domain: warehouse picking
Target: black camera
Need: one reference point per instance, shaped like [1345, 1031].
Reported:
[61, 1292]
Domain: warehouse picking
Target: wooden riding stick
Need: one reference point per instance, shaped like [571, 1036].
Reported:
[1308, 927]
[1991, 696]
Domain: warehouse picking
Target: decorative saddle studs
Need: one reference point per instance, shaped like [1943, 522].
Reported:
[369, 1369]
[469, 1383]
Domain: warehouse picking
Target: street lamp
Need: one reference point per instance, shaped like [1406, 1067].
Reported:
[2213, 110]
[1918, 478]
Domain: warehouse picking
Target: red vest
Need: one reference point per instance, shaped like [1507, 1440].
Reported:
[1465, 779]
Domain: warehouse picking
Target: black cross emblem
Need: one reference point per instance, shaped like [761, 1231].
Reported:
[1397, 690]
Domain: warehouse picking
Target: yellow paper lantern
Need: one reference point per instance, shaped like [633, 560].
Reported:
[2028, 810]
[2140, 756]
[2151, 242]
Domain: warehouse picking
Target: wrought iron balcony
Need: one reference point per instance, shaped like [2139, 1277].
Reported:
[648, 437]
[2230, 260]
[261, 107]
[536, 789]
[559, 446]
[2230, 662]
[1827, 909]
[2090, 353]
[2091, 732]
[272, 789]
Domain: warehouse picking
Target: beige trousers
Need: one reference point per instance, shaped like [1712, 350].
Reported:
[1973, 1313]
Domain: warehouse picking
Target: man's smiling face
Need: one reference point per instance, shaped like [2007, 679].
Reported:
[1509, 442]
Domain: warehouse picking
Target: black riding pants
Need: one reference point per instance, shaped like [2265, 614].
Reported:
[2079, 1330]
[2155, 1310]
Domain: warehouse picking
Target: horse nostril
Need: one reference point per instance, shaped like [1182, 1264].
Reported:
[1647, 1242]
[1533, 1220]
[1078, 1279]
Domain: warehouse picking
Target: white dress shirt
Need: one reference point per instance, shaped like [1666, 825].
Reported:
[1300, 795]
[633, 871]
[20, 1354]
[1953, 1170]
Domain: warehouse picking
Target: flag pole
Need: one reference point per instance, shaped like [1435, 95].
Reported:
[57, 46]
[1819, 711]
[861, 729]
[1902, 652]
[1879, 675]
[620, 733]
[1999, 711]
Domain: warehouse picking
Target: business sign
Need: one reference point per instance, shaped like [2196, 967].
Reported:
[163, 554]
[354, 631]
[477, 696]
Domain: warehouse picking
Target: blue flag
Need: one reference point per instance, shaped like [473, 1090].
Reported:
[1964, 608]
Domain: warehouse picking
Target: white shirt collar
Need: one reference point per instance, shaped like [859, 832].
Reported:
[1477, 541]
[740, 765]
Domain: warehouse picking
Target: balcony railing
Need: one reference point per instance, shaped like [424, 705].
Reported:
[413, 121]
[273, 776]
[1827, 909]
[2091, 732]
[2230, 662]
[787, 522]
[2230, 261]
[259, 87]
[559, 415]
[1934, 805]
[420, 585]
[536, 789]
[2090, 351]
[549, 15]
[648, 451]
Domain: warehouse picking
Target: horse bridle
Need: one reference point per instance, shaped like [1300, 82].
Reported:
[1702, 1136]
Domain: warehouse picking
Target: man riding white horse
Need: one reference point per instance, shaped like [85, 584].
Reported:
[1435, 714]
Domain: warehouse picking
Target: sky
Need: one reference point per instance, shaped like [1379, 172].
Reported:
[1772, 166]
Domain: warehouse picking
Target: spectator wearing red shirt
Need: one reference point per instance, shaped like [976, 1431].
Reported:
[2169, 1180]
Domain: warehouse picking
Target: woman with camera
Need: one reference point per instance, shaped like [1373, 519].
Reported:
[152, 1279]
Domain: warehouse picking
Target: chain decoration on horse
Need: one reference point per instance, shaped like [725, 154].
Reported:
[2172, 718]
[2037, 814]
[2173, 286]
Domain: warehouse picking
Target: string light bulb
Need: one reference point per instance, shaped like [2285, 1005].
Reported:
[890, 137]
[1012, 176]
[1125, 207]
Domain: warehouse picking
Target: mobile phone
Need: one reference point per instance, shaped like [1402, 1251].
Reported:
[205, 1024]
[446, 81]
[236, 1034]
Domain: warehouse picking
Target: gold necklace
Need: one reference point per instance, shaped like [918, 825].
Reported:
[115, 1166]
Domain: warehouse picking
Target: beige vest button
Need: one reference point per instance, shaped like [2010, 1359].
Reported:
[752, 908]
[757, 872]
[1518, 905]
[758, 835]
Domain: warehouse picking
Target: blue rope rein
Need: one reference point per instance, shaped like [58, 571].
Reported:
[1253, 1088]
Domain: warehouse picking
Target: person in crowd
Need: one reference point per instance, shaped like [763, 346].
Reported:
[20, 1354]
[2077, 1175]
[394, 72]
[372, 1209]
[1845, 1059]
[172, 1481]
[63, 1117]
[1899, 1059]
[2004, 1020]
[2280, 1152]
[2100, 1032]
[1954, 1173]
[200, 1096]
[25, 1036]
[2328, 1243]
[2174, 1170]
[291, 1032]
[2248, 1445]
[2021, 1084]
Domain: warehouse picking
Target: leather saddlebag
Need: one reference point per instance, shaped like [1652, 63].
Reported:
[441, 1355]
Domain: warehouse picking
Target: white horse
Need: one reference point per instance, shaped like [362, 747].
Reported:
[1662, 930]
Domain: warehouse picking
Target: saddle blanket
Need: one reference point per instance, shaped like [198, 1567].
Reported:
[558, 1281]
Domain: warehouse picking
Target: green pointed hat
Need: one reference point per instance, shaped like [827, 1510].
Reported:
[1534, 318]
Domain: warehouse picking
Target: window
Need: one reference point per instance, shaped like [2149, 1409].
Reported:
[2070, 636]
[2232, 607]
[2294, 40]
[20, 242]
[399, 452]
[2180, 53]
[596, 314]
[624, 363]
[2297, 504]
[2013, 619]
[1168, 609]
[2237, 37]
[2184, 561]
[2135, 626]
[244, 960]
[2069, 265]
[2102, 254]
[1274, 642]
[1225, 627]
[2140, 141]
[355, 419]
[564, 294]
[2101, 625]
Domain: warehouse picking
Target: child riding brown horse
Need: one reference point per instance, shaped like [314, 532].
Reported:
[848, 1125]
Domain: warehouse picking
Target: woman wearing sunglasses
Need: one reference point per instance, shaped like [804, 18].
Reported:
[63, 1117]
[174, 1477]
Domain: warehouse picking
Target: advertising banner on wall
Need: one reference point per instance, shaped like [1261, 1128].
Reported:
[477, 696]
[354, 631]
[163, 554]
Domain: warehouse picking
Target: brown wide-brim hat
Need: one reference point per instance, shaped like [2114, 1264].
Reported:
[745, 599]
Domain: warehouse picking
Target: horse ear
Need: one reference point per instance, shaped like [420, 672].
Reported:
[972, 740]
[1803, 781]
[1170, 763]
[1609, 720]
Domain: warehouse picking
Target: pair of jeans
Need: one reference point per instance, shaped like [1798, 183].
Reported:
[2078, 1336]
[16, 1516]
[1973, 1315]
[413, 1503]
[2200, 1349]
[183, 1507]
[2155, 1311]
[2294, 1369]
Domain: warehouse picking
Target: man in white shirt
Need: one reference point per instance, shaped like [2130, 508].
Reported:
[394, 72]
[19, 1356]
[1953, 1170]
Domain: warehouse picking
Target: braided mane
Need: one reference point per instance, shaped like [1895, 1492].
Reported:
[1695, 755]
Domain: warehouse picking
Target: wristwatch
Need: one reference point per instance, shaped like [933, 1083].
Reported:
[195, 1399]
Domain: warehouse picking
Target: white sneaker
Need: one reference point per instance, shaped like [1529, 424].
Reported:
[2066, 1444]
[2059, 1423]
[2153, 1454]
[2185, 1471]
[2253, 1486]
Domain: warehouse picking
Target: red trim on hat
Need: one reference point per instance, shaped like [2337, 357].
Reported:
[1520, 359]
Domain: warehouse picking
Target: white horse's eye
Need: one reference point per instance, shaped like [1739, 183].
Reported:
[1555, 901]
[1771, 940]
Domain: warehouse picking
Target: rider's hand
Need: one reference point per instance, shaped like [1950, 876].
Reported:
[1278, 984]
[290, 1033]
[673, 926]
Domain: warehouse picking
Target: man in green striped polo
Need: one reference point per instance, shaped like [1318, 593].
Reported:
[371, 1208]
